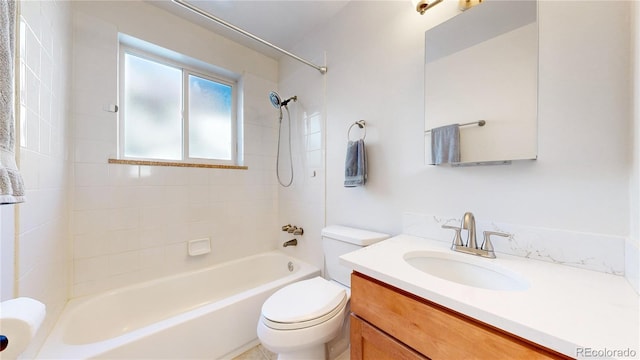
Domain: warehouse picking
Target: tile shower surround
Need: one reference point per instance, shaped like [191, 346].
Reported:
[131, 223]
[42, 256]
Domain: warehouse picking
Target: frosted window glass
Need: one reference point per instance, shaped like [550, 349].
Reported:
[210, 123]
[153, 110]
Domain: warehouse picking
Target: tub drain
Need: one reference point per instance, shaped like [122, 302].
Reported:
[290, 266]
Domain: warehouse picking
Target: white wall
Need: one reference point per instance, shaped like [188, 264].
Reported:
[580, 181]
[633, 245]
[131, 223]
[42, 251]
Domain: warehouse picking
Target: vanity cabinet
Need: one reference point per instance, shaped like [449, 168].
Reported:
[389, 323]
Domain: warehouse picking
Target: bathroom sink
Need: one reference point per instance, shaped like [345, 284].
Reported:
[471, 271]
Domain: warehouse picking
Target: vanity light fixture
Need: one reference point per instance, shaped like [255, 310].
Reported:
[424, 5]
[467, 4]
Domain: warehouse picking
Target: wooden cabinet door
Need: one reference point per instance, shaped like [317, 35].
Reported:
[369, 343]
[433, 330]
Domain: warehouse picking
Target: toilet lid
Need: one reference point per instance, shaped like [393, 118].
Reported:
[303, 301]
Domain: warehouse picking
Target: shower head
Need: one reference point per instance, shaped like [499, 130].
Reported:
[277, 102]
[275, 99]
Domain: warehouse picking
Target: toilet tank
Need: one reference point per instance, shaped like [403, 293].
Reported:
[338, 240]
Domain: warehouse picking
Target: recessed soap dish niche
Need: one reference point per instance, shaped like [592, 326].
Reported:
[199, 247]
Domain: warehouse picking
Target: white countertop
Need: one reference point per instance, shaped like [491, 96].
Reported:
[570, 310]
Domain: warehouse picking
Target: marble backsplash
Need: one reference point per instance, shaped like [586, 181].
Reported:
[598, 252]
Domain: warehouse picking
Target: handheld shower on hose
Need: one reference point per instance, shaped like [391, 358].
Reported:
[275, 99]
[277, 103]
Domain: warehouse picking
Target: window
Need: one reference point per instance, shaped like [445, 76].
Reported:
[174, 113]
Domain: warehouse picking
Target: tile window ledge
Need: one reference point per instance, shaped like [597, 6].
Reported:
[176, 164]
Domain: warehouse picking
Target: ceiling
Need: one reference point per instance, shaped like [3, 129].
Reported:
[280, 22]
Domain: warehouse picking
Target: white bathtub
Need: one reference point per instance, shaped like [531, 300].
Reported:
[206, 314]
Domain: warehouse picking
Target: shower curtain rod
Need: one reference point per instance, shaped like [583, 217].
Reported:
[322, 69]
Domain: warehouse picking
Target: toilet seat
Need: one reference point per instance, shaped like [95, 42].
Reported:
[303, 304]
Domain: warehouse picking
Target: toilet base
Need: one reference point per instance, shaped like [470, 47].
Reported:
[312, 353]
[324, 341]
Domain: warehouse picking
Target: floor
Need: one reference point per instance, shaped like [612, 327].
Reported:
[257, 353]
[260, 353]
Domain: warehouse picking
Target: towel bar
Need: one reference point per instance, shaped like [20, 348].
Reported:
[479, 122]
[362, 125]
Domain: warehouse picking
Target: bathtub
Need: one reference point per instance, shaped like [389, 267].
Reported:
[207, 314]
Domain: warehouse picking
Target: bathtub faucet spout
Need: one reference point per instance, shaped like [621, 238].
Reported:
[292, 242]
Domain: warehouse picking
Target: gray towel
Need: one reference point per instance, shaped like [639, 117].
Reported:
[355, 166]
[11, 184]
[445, 144]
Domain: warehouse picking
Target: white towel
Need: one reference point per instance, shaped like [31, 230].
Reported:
[445, 144]
[355, 165]
[11, 183]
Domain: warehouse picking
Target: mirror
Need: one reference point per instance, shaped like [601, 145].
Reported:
[483, 65]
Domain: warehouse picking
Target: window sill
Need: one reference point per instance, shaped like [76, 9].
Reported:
[176, 164]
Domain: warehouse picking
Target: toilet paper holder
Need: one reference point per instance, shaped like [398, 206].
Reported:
[20, 319]
[4, 342]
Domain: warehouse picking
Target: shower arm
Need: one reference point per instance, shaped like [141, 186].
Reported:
[322, 69]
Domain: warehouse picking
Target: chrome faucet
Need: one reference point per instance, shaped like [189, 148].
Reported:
[471, 246]
[469, 224]
[292, 242]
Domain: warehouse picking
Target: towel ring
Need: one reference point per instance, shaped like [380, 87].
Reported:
[362, 125]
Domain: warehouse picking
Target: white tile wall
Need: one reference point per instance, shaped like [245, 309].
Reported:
[302, 204]
[43, 255]
[132, 223]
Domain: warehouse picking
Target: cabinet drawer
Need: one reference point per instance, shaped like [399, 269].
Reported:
[433, 330]
[367, 342]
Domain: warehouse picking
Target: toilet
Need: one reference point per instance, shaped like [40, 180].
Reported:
[298, 320]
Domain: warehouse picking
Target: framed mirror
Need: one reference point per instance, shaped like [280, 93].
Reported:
[482, 65]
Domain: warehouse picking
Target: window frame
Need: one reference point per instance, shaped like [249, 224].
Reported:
[186, 70]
